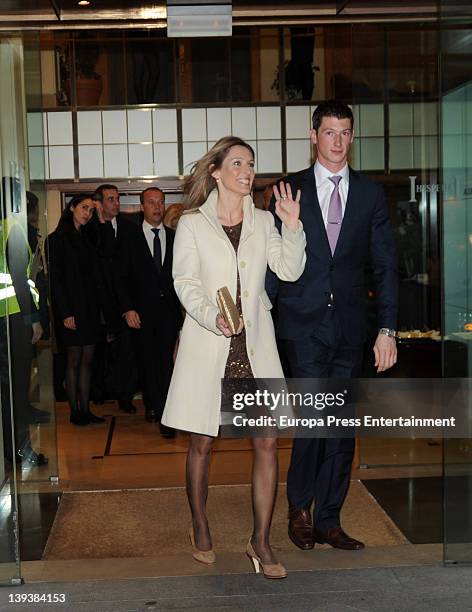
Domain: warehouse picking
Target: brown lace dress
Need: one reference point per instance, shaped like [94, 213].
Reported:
[238, 365]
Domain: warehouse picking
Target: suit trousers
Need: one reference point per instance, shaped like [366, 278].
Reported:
[114, 374]
[154, 344]
[320, 468]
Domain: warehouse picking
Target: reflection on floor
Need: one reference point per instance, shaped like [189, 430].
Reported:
[36, 513]
[128, 452]
[387, 452]
[413, 504]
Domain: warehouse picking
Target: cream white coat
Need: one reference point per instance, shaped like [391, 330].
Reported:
[204, 261]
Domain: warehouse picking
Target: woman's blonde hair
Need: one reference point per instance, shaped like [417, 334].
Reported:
[200, 183]
[173, 214]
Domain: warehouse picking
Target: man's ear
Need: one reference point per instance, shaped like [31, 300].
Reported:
[313, 136]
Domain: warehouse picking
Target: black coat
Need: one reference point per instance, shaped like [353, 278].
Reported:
[107, 250]
[75, 287]
[139, 285]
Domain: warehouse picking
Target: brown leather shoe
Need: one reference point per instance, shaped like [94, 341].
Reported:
[300, 528]
[337, 538]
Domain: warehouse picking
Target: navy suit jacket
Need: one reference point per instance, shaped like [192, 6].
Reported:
[365, 242]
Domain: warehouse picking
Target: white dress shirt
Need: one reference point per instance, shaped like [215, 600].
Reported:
[149, 235]
[114, 225]
[325, 187]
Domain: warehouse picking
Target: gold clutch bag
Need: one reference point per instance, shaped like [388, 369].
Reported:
[228, 309]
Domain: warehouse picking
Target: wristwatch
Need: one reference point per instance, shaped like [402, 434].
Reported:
[386, 331]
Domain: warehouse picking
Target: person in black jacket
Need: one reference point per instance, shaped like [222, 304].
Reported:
[148, 300]
[75, 301]
[114, 370]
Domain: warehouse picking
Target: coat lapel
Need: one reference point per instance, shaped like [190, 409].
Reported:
[208, 209]
[248, 219]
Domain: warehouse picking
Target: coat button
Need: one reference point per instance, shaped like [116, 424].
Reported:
[243, 264]
[248, 323]
[245, 293]
[251, 352]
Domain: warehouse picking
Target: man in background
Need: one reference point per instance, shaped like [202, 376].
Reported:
[115, 372]
[148, 301]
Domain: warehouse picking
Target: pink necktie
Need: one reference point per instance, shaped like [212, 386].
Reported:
[335, 214]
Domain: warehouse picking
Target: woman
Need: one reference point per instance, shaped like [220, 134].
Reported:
[225, 241]
[75, 302]
[172, 215]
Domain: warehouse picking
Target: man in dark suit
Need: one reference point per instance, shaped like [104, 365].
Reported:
[148, 300]
[115, 371]
[321, 318]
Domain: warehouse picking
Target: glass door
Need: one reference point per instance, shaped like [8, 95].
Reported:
[28, 461]
[456, 141]
[9, 550]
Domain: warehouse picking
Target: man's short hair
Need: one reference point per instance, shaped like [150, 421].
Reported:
[98, 195]
[331, 108]
[141, 195]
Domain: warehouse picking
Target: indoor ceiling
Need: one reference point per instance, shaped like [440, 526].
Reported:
[135, 13]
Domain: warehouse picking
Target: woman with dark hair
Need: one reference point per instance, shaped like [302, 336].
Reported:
[223, 240]
[75, 302]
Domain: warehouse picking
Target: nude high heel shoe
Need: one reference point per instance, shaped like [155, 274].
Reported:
[270, 570]
[207, 557]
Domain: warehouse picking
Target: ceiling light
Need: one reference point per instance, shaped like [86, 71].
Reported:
[153, 12]
[83, 2]
[199, 18]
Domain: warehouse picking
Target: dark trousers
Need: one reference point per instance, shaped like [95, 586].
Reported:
[19, 384]
[154, 344]
[320, 468]
[114, 368]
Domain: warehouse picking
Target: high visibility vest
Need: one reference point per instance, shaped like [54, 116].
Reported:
[8, 301]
